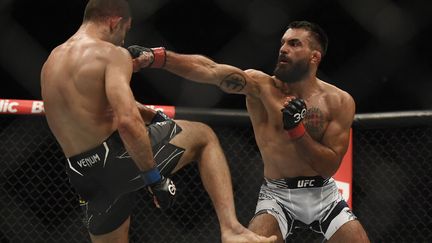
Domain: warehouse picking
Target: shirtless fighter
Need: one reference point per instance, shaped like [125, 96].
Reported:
[110, 152]
[301, 125]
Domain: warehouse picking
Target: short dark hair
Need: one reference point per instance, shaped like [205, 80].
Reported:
[100, 9]
[316, 31]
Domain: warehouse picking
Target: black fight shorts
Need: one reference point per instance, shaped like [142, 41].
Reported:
[106, 178]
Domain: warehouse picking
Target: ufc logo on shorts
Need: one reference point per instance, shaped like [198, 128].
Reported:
[305, 183]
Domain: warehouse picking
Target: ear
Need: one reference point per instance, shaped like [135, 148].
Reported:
[316, 57]
[114, 22]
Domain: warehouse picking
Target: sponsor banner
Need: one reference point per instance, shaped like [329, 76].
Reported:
[21, 107]
[36, 107]
[168, 110]
[344, 175]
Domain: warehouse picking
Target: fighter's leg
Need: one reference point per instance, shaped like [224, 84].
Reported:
[119, 235]
[351, 231]
[202, 145]
[266, 224]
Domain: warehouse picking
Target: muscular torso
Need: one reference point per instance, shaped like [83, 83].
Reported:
[280, 157]
[73, 91]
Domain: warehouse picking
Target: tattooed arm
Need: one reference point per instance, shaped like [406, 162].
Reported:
[201, 69]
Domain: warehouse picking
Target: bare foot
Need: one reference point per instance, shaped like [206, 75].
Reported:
[243, 235]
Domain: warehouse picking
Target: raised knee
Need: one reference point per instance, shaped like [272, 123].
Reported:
[206, 132]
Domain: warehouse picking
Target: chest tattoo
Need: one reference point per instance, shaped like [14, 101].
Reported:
[233, 83]
[314, 122]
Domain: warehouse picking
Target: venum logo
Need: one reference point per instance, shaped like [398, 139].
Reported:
[305, 183]
[89, 161]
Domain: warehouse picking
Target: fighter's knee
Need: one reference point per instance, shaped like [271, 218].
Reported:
[199, 134]
[205, 132]
[266, 225]
[351, 231]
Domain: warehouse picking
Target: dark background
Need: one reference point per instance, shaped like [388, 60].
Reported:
[379, 50]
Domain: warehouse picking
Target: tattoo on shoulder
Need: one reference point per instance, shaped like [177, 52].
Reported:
[234, 82]
[314, 122]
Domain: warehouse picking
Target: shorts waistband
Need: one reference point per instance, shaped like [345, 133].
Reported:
[298, 182]
[98, 153]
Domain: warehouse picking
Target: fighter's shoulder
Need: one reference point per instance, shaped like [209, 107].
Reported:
[336, 97]
[259, 76]
[111, 50]
[59, 50]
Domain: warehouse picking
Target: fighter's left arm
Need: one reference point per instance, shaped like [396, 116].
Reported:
[325, 156]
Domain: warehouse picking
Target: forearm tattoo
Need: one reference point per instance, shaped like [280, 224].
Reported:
[234, 82]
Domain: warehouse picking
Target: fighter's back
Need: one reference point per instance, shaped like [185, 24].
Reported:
[73, 90]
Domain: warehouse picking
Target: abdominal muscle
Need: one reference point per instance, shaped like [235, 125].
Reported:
[280, 157]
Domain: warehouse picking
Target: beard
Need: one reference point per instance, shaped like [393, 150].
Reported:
[291, 72]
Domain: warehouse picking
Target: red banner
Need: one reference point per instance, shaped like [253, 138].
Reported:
[344, 175]
[21, 107]
[168, 110]
[36, 107]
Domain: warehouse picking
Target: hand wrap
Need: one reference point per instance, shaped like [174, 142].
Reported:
[163, 193]
[151, 176]
[158, 55]
[162, 188]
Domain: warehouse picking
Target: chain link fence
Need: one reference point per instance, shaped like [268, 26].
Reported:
[391, 188]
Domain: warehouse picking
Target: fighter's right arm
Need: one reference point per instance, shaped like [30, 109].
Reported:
[200, 69]
[130, 125]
